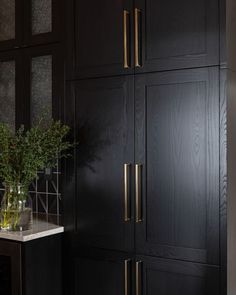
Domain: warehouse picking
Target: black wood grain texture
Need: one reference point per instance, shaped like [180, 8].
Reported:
[99, 49]
[102, 273]
[177, 141]
[104, 127]
[223, 179]
[42, 265]
[172, 277]
[178, 34]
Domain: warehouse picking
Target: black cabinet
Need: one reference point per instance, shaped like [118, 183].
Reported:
[104, 124]
[173, 277]
[32, 267]
[100, 29]
[152, 142]
[120, 37]
[30, 22]
[115, 277]
[177, 34]
[177, 147]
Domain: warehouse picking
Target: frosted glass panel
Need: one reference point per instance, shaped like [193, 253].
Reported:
[41, 88]
[7, 93]
[7, 20]
[41, 16]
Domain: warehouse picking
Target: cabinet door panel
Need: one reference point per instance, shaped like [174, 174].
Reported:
[102, 274]
[166, 277]
[104, 129]
[177, 141]
[99, 37]
[178, 34]
[10, 265]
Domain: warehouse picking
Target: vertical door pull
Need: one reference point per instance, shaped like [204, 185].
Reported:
[138, 278]
[126, 38]
[137, 39]
[127, 192]
[127, 287]
[138, 192]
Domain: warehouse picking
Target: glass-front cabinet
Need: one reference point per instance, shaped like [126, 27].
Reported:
[29, 22]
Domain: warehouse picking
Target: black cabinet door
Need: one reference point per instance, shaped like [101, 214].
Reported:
[177, 143]
[104, 127]
[10, 268]
[177, 34]
[172, 277]
[102, 274]
[99, 37]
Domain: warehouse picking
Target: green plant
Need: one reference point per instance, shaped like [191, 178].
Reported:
[25, 152]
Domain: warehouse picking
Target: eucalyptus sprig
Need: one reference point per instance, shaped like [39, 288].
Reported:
[26, 151]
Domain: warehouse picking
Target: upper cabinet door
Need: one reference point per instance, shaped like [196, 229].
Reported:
[10, 23]
[177, 181]
[43, 20]
[176, 34]
[103, 37]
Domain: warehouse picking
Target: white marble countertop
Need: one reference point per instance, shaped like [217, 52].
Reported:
[43, 226]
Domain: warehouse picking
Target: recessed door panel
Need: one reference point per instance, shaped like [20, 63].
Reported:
[177, 143]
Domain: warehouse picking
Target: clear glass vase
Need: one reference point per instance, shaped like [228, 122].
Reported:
[16, 208]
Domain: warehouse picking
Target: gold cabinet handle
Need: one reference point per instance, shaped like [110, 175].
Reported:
[126, 192]
[127, 263]
[138, 285]
[137, 13]
[125, 38]
[138, 192]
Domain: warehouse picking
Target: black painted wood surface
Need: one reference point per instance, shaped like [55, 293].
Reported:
[99, 30]
[178, 34]
[177, 142]
[104, 127]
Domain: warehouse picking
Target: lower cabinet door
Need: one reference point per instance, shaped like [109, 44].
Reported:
[103, 273]
[171, 277]
[10, 268]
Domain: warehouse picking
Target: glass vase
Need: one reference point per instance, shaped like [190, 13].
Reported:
[16, 208]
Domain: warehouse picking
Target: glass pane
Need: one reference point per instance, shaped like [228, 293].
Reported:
[7, 20]
[7, 93]
[41, 16]
[41, 88]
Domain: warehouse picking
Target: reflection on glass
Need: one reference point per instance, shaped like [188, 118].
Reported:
[41, 16]
[7, 20]
[7, 93]
[41, 88]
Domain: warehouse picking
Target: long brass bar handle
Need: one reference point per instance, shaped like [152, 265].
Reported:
[127, 192]
[138, 192]
[127, 263]
[137, 13]
[125, 38]
[138, 279]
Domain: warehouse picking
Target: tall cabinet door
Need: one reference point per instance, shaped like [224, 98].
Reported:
[104, 125]
[177, 152]
[176, 34]
[103, 44]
